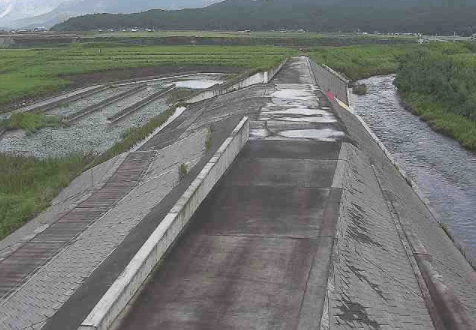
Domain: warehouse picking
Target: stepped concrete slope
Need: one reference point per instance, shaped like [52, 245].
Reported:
[311, 227]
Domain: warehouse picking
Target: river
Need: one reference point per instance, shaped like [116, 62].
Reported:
[443, 170]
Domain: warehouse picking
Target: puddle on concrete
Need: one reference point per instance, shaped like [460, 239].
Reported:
[323, 119]
[294, 94]
[259, 132]
[299, 111]
[197, 84]
[325, 134]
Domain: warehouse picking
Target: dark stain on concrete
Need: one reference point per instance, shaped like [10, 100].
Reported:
[357, 229]
[352, 311]
[358, 272]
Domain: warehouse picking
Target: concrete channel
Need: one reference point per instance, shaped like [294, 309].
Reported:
[295, 218]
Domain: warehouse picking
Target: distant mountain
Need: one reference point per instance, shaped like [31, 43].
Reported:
[426, 16]
[28, 13]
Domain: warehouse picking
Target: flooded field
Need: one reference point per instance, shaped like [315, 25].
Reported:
[444, 171]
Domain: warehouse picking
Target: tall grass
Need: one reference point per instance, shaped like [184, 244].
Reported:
[28, 185]
[31, 122]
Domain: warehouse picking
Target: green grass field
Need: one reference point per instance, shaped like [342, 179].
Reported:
[28, 73]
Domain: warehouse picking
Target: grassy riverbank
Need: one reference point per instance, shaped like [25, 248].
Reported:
[441, 88]
[29, 73]
[437, 81]
[359, 62]
[363, 61]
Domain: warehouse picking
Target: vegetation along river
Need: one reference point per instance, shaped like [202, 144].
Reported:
[443, 170]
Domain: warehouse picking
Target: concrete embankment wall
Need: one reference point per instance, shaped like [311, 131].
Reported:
[258, 78]
[139, 268]
[377, 188]
[330, 81]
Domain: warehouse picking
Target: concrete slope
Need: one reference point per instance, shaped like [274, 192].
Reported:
[256, 253]
[377, 193]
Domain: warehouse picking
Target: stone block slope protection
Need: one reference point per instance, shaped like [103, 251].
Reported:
[139, 268]
[446, 279]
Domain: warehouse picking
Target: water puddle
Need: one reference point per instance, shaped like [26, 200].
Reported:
[293, 94]
[322, 120]
[197, 84]
[259, 132]
[299, 111]
[326, 134]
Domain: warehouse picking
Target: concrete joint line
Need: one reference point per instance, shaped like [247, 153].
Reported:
[142, 264]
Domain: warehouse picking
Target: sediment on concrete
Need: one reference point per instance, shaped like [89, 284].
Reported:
[451, 305]
[142, 264]
[263, 77]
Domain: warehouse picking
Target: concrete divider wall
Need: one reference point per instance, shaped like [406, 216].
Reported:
[141, 265]
[258, 78]
[330, 81]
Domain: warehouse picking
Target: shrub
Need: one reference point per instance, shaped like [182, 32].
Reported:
[182, 171]
[359, 89]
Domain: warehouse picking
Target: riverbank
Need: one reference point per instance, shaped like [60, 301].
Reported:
[441, 119]
[436, 80]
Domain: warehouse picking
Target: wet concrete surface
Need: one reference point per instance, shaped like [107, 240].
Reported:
[256, 253]
[245, 260]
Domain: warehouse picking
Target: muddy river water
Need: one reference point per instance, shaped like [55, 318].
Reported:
[444, 171]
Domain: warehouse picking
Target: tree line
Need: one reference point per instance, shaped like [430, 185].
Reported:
[446, 17]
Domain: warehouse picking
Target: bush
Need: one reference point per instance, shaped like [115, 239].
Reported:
[182, 171]
[359, 89]
[208, 140]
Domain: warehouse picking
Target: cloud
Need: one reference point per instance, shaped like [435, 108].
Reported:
[7, 10]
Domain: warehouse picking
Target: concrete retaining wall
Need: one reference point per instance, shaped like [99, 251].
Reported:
[258, 78]
[330, 81]
[130, 280]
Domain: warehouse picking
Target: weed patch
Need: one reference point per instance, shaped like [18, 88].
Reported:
[28, 185]
[208, 139]
[31, 122]
[182, 171]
